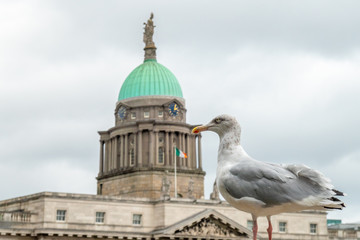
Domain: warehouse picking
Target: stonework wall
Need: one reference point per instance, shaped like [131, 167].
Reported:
[151, 184]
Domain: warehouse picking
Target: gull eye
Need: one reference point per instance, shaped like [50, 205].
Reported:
[217, 120]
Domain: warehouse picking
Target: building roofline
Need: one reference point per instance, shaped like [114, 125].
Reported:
[105, 198]
[94, 197]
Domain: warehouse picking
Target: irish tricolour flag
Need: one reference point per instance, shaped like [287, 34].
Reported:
[180, 153]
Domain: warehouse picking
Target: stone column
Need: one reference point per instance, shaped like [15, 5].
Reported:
[151, 148]
[135, 150]
[188, 150]
[101, 166]
[194, 158]
[121, 151]
[184, 160]
[118, 150]
[139, 149]
[112, 153]
[179, 146]
[171, 145]
[126, 157]
[105, 156]
[109, 154]
[199, 152]
[167, 148]
[156, 147]
[182, 141]
[116, 166]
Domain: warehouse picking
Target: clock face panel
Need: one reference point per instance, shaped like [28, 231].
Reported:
[122, 112]
[174, 109]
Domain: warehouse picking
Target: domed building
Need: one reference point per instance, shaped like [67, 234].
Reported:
[144, 191]
[138, 154]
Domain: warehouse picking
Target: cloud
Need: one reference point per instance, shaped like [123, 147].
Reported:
[293, 108]
[343, 171]
[61, 176]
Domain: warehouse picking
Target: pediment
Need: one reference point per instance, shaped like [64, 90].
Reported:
[173, 100]
[209, 226]
[208, 223]
[121, 104]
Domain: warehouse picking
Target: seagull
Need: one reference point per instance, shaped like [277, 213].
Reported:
[265, 189]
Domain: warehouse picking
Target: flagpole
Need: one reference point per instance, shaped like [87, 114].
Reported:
[175, 172]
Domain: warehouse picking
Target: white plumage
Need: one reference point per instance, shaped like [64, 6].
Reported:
[265, 189]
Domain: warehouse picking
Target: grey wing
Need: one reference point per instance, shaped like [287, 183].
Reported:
[313, 176]
[269, 183]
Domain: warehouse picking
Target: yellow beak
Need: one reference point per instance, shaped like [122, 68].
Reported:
[199, 129]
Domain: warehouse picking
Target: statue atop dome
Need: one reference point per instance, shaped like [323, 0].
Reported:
[149, 32]
[150, 49]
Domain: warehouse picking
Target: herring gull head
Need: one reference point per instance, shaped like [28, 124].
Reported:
[221, 125]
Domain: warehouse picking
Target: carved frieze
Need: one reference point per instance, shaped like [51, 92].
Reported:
[208, 227]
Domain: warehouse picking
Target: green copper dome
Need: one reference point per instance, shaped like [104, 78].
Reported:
[149, 79]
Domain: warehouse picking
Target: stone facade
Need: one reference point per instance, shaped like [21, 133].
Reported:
[152, 184]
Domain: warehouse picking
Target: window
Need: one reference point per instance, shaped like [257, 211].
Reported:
[1, 216]
[137, 219]
[161, 155]
[161, 114]
[60, 215]
[282, 226]
[313, 228]
[146, 114]
[250, 224]
[133, 115]
[100, 217]
[132, 157]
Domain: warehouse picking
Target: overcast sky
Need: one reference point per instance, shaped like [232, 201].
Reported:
[288, 70]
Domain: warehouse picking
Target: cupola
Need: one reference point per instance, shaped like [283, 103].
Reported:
[150, 78]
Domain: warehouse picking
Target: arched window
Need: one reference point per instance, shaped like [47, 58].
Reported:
[132, 157]
[161, 155]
